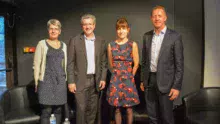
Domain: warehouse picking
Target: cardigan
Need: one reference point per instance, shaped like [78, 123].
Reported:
[40, 60]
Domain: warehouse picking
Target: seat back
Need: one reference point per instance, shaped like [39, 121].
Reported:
[18, 98]
[206, 99]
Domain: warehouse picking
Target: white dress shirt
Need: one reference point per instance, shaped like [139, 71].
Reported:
[155, 48]
[90, 52]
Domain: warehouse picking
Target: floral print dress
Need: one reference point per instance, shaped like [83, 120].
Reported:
[122, 90]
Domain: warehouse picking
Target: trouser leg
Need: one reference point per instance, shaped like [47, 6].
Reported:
[45, 114]
[92, 103]
[87, 103]
[152, 102]
[58, 113]
[166, 109]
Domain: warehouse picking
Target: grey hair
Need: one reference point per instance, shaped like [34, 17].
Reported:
[54, 22]
[87, 16]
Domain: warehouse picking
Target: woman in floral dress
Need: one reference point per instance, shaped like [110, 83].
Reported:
[122, 54]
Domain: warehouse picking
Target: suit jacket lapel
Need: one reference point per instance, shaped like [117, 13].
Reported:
[149, 41]
[165, 40]
[83, 46]
[96, 49]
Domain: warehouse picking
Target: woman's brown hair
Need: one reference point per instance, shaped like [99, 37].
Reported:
[122, 23]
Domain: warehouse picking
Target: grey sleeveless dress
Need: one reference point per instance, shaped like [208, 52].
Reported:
[53, 90]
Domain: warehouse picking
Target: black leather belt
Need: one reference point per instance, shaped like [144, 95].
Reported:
[90, 75]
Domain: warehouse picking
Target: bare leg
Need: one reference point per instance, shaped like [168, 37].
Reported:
[129, 115]
[118, 116]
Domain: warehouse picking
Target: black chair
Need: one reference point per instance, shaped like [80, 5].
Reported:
[203, 106]
[20, 106]
[140, 116]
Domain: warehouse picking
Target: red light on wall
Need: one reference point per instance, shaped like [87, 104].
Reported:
[32, 49]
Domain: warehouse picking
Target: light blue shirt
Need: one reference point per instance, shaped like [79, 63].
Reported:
[90, 52]
[155, 48]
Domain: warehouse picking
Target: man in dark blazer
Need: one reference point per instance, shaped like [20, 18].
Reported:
[87, 67]
[162, 68]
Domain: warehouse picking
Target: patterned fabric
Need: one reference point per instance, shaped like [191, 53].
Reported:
[122, 90]
[39, 63]
[52, 90]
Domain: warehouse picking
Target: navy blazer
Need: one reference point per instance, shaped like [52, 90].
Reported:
[170, 65]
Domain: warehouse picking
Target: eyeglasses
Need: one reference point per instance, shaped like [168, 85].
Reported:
[88, 24]
[53, 29]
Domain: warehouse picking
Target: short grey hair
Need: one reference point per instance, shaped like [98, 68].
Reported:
[54, 22]
[87, 16]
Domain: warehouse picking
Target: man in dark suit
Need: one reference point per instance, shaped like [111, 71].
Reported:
[87, 67]
[162, 68]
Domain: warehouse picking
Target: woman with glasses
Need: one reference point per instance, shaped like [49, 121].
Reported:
[49, 66]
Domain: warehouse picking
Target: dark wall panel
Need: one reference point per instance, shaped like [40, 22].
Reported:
[32, 26]
[188, 21]
[184, 16]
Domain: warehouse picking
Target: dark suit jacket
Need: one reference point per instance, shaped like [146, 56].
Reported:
[77, 61]
[170, 62]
